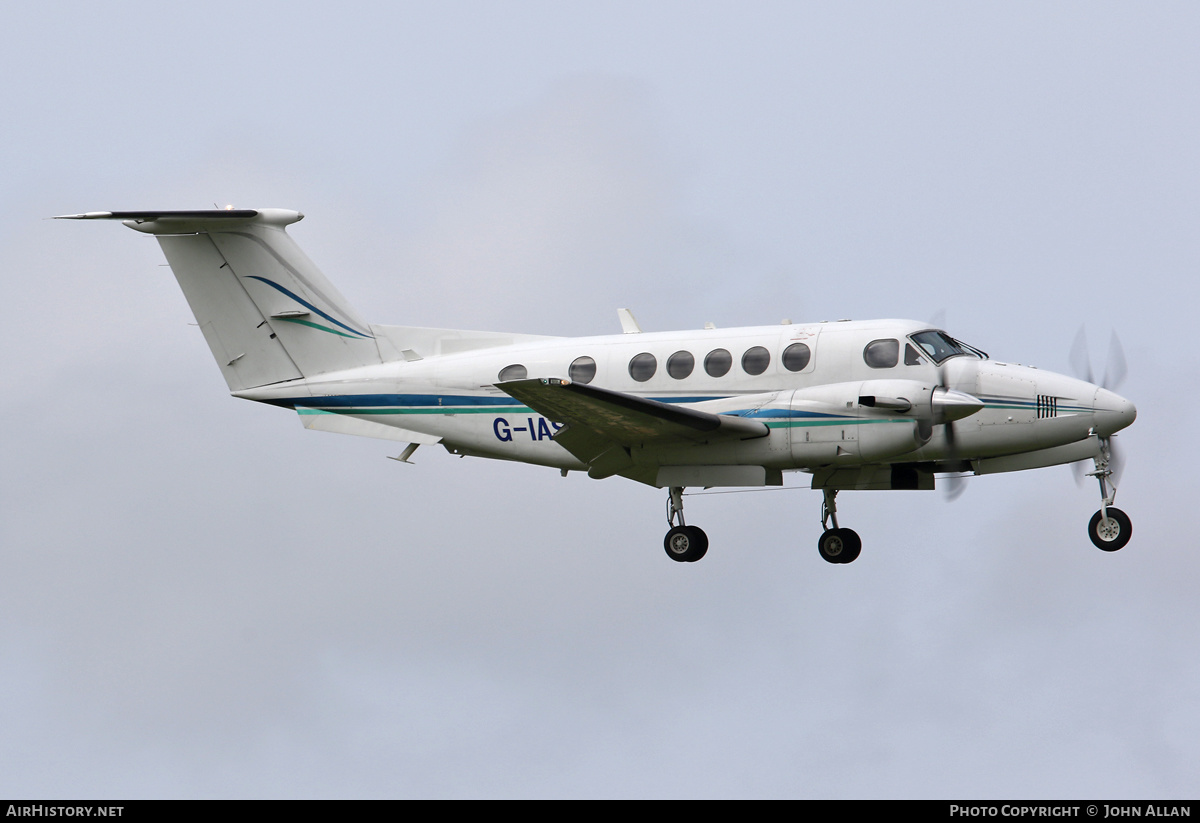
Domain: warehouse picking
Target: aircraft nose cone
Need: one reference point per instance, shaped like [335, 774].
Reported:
[1113, 412]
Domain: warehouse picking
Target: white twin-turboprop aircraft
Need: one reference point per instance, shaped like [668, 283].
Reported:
[881, 404]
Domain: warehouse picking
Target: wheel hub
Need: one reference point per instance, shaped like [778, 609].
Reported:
[1108, 529]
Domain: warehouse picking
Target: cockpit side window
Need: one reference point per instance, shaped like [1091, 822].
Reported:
[911, 358]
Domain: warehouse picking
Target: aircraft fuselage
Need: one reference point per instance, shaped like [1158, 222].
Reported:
[813, 413]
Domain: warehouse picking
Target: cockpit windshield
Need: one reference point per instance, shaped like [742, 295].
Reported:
[939, 346]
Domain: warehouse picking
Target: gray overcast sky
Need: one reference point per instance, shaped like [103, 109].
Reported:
[203, 599]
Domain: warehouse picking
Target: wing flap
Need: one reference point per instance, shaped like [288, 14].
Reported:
[603, 426]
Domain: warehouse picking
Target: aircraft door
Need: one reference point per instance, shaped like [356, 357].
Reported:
[797, 350]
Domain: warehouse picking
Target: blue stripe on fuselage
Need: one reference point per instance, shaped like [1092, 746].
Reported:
[360, 401]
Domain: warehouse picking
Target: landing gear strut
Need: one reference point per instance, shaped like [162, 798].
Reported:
[1110, 528]
[683, 543]
[836, 545]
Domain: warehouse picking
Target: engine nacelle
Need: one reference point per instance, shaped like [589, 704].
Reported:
[858, 422]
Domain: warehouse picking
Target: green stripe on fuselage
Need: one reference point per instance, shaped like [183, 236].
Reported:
[841, 421]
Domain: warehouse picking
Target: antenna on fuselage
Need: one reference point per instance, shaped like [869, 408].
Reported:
[629, 324]
[404, 455]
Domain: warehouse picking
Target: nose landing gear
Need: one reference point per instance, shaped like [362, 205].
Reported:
[683, 543]
[1110, 528]
[836, 545]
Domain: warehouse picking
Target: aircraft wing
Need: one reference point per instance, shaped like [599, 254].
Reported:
[603, 425]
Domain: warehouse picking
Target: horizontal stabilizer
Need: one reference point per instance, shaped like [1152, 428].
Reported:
[190, 221]
[185, 214]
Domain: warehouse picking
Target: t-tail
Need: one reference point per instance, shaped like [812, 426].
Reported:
[267, 312]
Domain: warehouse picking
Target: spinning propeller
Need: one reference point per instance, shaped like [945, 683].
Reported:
[1115, 371]
[950, 405]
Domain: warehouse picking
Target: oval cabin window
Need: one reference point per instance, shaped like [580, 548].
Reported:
[796, 357]
[642, 367]
[756, 360]
[582, 370]
[680, 364]
[514, 372]
[717, 363]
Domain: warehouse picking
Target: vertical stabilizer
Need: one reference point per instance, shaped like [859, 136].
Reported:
[267, 313]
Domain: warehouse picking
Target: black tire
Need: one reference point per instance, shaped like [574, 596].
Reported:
[701, 543]
[853, 545]
[839, 545]
[1111, 534]
[685, 544]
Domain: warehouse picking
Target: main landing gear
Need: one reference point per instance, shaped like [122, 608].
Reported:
[684, 544]
[1110, 528]
[836, 545]
[687, 544]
